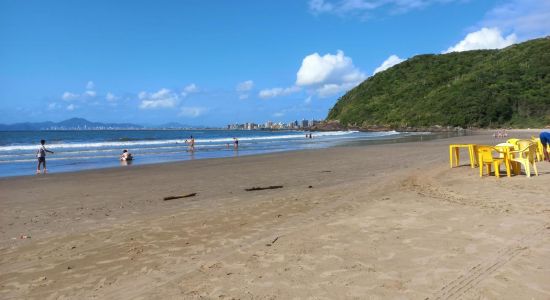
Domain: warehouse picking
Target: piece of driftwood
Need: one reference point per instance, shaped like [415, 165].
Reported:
[259, 188]
[179, 197]
[273, 242]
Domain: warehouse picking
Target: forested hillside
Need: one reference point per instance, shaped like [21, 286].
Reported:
[483, 88]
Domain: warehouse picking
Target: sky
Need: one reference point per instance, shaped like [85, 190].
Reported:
[212, 63]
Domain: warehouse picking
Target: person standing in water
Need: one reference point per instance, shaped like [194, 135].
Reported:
[235, 143]
[41, 156]
[191, 144]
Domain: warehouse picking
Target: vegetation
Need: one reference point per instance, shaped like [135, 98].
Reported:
[482, 88]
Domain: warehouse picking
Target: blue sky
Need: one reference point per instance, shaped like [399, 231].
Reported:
[212, 63]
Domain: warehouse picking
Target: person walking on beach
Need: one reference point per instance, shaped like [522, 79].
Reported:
[545, 141]
[41, 155]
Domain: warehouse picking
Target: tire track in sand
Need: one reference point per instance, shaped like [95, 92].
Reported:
[461, 285]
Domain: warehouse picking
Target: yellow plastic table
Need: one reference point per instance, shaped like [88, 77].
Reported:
[454, 151]
[506, 148]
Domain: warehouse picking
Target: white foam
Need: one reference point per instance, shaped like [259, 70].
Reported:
[130, 144]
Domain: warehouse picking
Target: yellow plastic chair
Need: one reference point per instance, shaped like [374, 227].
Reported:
[525, 157]
[487, 159]
[512, 141]
[540, 153]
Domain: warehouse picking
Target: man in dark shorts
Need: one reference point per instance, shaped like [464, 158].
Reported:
[41, 155]
[545, 141]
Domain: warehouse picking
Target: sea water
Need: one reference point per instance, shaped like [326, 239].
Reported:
[82, 150]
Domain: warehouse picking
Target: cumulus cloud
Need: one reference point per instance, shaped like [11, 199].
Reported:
[329, 74]
[164, 98]
[111, 97]
[526, 18]
[276, 92]
[192, 88]
[88, 93]
[71, 107]
[189, 89]
[68, 96]
[320, 6]
[485, 38]
[365, 7]
[191, 112]
[245, 86]
[388, 63]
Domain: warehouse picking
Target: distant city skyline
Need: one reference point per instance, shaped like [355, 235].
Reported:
[214, 63]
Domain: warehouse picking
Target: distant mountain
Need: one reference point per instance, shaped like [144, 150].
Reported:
[483, 88]
[70, 124]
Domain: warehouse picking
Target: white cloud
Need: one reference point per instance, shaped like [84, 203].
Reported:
[192, 112]
[90, 93]
[111, 97]
[276, 92]
[329, 68]
[189, 89]
[320, 6]
[192, 88]
[68, 96]
[71, 107]
[388, 63]
[164, 98]
[526, 18]
[485, 38]
[278, 114]
[329, 74]
[364, 7]
[90, 85]
[245, 86]
[308, 100]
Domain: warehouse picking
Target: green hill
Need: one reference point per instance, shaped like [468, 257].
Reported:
[482, 88]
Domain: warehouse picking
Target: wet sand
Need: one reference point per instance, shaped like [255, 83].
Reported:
[378, 221]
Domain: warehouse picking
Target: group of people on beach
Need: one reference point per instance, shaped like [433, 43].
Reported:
[501, 133]
[127, 156]
[191, 143]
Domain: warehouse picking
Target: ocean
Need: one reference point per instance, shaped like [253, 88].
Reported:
[84, 150]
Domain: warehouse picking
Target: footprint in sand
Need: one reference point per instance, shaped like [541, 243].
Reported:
[388, 257]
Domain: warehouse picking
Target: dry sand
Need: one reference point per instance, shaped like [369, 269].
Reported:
[379, 221]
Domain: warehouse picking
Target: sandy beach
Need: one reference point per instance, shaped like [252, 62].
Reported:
[386, 221]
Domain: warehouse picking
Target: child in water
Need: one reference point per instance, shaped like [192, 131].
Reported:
[125, 156]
